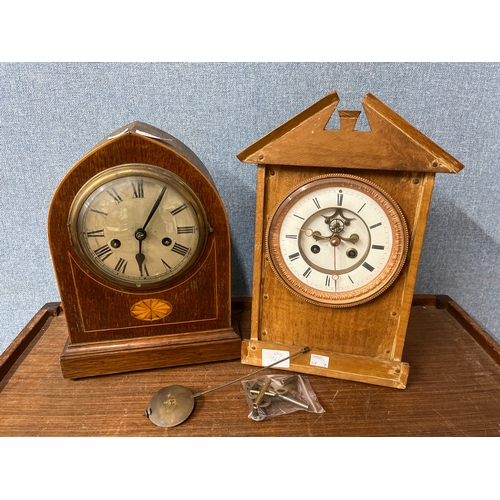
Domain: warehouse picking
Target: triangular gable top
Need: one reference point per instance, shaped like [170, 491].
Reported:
[391, 143]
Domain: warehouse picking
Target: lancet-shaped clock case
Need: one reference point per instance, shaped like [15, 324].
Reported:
[140, 244]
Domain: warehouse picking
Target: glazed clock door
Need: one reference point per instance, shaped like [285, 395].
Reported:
[138, 226]
[337, 241]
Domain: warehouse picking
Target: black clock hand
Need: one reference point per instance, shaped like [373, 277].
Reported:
[155, 206]
[141, 234]
[140, 257]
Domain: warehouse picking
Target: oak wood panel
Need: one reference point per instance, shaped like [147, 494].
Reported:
[454, 389]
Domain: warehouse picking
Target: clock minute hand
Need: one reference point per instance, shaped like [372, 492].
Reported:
[315, 234]
[141, 234]
[155, 206]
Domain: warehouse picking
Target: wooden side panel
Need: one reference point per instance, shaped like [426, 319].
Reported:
[258, 257]
[27, 334]
[417, 232]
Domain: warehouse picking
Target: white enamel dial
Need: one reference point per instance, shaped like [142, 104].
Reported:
[137, 225]
[337, 240]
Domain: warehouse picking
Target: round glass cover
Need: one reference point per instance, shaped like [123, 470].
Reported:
[338, 240]
[138, 225]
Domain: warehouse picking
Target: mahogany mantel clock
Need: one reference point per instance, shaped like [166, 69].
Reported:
[340, 221]
[140, 244]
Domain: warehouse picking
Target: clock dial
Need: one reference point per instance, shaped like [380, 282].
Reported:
[337, 240]
[138, 225]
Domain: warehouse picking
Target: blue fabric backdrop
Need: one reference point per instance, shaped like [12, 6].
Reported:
[51, 114]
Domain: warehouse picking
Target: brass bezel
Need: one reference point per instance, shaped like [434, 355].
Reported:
[133, 170]
[339, 299]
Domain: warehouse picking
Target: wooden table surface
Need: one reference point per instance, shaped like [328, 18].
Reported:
[453, 388]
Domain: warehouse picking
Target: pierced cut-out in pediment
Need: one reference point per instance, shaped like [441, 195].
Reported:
[362, 124]
[390, 143]
[334, 122]
[343, 119]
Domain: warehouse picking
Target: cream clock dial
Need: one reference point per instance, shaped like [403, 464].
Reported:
[137, 225]
[337, 240]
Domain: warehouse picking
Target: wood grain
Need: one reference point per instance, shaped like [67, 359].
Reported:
[98, 312]
[454, 390]
[364, 342]
[375, 329]
[391, 144]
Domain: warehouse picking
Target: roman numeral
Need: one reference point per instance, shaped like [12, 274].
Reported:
[103, 252]
[180, 249]
[185, 230]
[138, 188]
[340, 198]
[104, 214]
[112, 192]
[362, 206]
[376, 225]
[179, 209]
[378, 247]
[291, 236]
[298, 217]
[167, 267]
[367, 266]
[307, 272]
[328, 280]
[99, 233]
[294, 256]
[121, 266]
[350, 279]
[316, 202]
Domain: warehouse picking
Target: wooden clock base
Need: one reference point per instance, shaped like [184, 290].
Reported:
[105, 358]
[377, 371]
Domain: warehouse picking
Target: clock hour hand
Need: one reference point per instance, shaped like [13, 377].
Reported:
[140, 257]
[353, 239]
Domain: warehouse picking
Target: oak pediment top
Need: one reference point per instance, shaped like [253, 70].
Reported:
[391, 143]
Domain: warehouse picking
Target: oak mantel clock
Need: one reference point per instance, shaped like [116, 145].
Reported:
[140, 244]
[340, 221]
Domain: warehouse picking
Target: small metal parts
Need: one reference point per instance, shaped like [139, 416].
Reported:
[274, 395]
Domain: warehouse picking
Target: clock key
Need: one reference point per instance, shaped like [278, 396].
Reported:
[276, 391]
